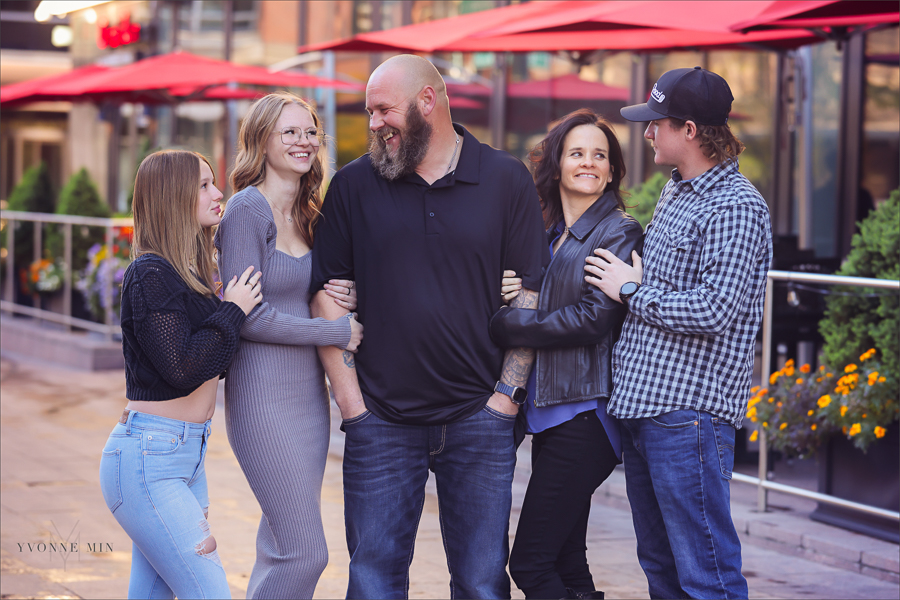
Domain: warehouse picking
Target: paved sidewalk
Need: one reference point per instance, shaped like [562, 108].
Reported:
[55, 421]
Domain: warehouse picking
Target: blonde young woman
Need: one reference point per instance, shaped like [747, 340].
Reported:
[276, 405]
[178, 338]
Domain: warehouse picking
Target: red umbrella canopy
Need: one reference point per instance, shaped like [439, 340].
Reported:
[184, 69]
[823, 14]
[46, 88]
[154, 79]
[637, 40]
[715, 16]
[434, 35]
[652, 25]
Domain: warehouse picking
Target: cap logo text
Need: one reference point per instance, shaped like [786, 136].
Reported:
[657, 95]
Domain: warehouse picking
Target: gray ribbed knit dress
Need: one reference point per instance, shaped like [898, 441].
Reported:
[276, 405]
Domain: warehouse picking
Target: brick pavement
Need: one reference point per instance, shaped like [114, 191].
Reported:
[54, 422]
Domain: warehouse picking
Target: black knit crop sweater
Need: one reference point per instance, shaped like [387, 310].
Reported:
[173, 338]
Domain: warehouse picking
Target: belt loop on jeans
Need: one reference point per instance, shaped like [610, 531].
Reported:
[187, 430]
[129, 416]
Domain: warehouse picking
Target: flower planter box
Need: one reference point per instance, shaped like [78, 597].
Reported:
[871, 478]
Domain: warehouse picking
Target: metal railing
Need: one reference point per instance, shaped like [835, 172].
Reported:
[763, 486]
[8, 219]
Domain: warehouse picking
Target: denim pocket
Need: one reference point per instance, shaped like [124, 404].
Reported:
[109, 478]
[724, 433]
[356, 419]
[677, 419]
[159, 442]
[499, 415]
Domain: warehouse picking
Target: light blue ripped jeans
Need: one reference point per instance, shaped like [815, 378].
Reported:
[154, 482]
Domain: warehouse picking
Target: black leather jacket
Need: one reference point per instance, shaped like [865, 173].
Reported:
[575, 325]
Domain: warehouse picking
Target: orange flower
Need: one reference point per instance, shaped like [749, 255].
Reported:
[880, 431]
[881, 379]
[813, 427]
[789, 363]
[856, 428]
[822, 368]
[809, 413]
[844, 410]
[754, 389]
[873, 377]
[850, 368]
[782, 426]
[765, 423]
[774, 377]
[804, 369]
[754, 436]
[824, 401]
[763, 392]
[799, 382]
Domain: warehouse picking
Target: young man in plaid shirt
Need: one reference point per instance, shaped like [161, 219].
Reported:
[682, 368]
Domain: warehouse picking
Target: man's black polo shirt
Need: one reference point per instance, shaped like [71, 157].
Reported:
[427, 262]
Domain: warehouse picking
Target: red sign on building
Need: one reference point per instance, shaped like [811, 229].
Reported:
[113, 36]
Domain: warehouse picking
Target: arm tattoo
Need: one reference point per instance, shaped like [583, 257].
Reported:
[525, 299]
[349, 360]
[518, 361]
[517, 366]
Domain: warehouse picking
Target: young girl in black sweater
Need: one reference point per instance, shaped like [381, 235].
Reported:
[178, 338]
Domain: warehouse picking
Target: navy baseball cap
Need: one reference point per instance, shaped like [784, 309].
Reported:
[694, 95]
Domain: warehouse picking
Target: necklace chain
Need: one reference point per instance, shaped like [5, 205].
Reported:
[452, 158]
[274, 209]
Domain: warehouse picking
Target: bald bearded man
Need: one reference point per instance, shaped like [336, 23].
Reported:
[425, 224]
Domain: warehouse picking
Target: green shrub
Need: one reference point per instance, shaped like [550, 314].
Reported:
[78, 197]
[34, 193]
[854, 323]
[643, 198]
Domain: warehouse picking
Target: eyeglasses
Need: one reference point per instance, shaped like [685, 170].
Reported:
[293, 135]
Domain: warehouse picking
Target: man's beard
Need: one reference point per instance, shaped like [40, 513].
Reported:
[410, 152]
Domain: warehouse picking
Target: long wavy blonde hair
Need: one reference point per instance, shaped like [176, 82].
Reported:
[250, 164]
[166, 196]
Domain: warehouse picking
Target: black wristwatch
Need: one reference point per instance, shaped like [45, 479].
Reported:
[516, 394]
[628, 289]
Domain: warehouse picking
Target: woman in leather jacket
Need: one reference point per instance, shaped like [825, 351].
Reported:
[578, 170]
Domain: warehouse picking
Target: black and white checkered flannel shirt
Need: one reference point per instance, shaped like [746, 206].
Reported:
[688, 340]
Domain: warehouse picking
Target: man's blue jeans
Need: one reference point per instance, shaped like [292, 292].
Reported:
[677, 472]
[385, 469]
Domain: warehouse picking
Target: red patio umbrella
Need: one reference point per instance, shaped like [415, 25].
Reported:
[433, 35]
[823, 14]
[636, 40]
[43, 88]
[150, 80]
[184, 69]
[636, 25]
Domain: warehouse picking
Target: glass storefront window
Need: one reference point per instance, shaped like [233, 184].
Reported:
[881, 125]
[826, 65]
